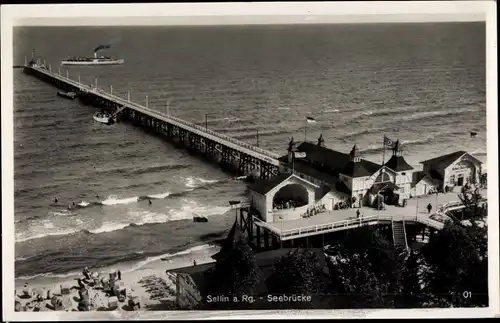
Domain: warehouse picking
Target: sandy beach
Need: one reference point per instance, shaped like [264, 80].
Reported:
[150, 285]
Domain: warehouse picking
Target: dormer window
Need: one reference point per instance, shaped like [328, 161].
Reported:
[403, 173]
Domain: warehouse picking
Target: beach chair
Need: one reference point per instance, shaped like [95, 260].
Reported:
[113, 275]
[134, 303]
[17, 306]
[57, 303]
[105, 284]
[95, 278]
[27, 292]
[65, 289]
[112, 302]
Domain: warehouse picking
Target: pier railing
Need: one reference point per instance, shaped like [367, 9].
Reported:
[286, 234]
[272, 158]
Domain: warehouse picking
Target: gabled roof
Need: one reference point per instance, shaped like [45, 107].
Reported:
[306, 168]
[355, 170]
[446, 160]
[419, 176]
[435, 175]
[334, 162]
[322, 191]
[341, 187]
[398, 164]
[263, 186]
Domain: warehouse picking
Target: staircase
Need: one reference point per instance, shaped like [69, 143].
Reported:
[399, 235]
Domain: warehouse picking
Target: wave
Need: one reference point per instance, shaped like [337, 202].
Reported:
[264, 133]
[196, 182]
[331, 110]
[134, 219]
[43, 235]
[379, 147]
[430, 114]
[140, 171]
[363, 132]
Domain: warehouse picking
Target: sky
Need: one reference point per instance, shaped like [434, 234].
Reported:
[244, 13]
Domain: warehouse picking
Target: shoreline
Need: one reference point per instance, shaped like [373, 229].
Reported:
[142, 283]
[183, 258]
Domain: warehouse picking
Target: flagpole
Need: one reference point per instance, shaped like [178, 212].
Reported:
[305, 131]
[293, 162]
[383, 151]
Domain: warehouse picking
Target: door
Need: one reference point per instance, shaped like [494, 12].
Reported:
[460, 181]
[425, 189]
[360, 198]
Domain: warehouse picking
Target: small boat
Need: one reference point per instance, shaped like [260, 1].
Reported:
[473, 133]
[103, 117]
[199, 218]
[68, 95]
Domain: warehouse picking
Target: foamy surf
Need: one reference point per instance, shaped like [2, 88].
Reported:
[22, 237]
[194, 182]
[114, 200]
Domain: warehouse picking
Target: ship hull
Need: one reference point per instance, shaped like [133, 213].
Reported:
[94, 63]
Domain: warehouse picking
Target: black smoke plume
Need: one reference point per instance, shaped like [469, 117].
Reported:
[108, 45]
[101, 47]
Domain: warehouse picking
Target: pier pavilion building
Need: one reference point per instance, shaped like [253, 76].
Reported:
[317, 179]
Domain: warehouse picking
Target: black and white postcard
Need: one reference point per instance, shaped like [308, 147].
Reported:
[256, 159]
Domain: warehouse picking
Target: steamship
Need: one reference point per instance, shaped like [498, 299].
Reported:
[96, 60]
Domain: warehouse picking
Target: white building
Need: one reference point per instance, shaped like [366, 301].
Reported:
[319, 178]
[452, 170]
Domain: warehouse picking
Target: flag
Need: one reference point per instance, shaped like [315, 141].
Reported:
[388, 143]
[299, 154]
[310, 120]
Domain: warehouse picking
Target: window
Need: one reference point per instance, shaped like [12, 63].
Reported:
[452, 179]
[403, 173]
[401, 189]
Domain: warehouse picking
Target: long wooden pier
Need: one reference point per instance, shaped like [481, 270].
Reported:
[240, 156]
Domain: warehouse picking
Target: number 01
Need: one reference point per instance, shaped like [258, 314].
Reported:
[467, 294]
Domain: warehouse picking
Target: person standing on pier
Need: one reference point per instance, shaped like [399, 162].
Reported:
[429, 208]
[358, 214]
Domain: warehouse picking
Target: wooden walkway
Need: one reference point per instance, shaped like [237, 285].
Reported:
[243, 147]
[415, 211]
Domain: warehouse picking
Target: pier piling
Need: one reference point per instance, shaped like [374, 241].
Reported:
[226, 151]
